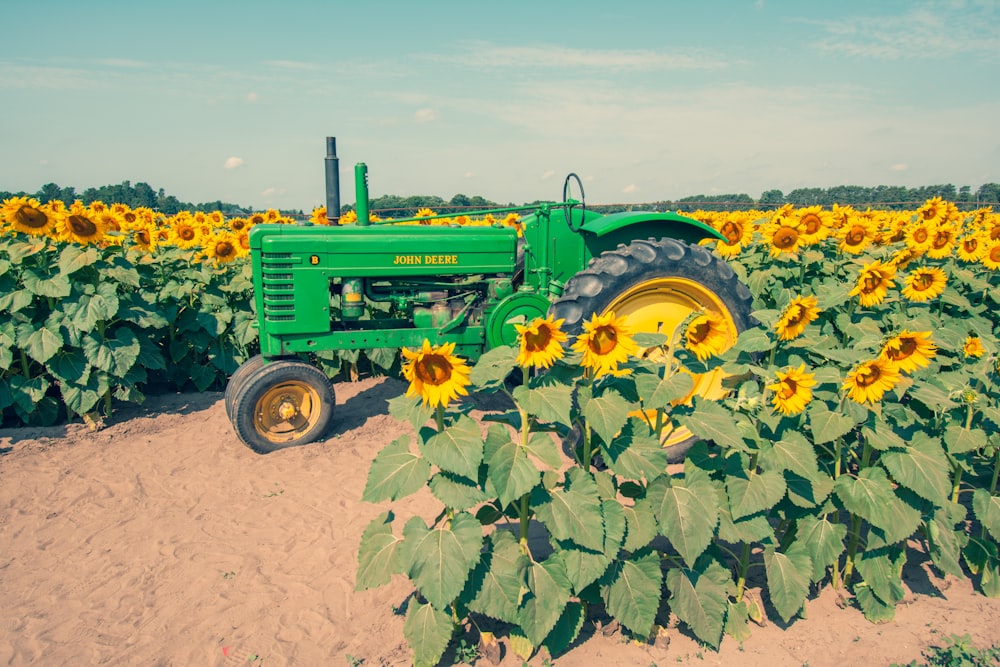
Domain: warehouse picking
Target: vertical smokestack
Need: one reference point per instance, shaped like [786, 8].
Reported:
[332, 181]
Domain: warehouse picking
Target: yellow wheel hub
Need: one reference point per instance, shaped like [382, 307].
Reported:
[660, 306]
[286, 411]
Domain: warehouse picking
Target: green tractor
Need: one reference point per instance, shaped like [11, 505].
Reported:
[316, 287]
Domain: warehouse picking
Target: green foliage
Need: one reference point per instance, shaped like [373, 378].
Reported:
[85, 325]
[828, 494]
[958, 652]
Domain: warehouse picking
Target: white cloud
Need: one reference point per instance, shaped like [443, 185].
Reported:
[470, 174]
[270, 192]
[252, 97]
[233, 163]
[425, 115]
[548, 57]
[931, 31]
[901, 166]
[549, 174]
[629, 189]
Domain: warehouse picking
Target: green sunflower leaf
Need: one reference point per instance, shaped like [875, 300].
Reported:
[396, 472]
[427, 631]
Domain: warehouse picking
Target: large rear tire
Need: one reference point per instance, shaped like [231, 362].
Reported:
[657, 284]
[282, 404]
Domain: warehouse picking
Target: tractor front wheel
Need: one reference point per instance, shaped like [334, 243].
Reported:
[245, 369]
[282, 404]
[657, 284]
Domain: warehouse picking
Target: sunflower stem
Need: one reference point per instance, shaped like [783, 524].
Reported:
[587, 453]
[524, 518]
[741, 582]
[996, 473]
[957, 482]
[852, 549]
[835, 516]
[439, 417]
[25, 366]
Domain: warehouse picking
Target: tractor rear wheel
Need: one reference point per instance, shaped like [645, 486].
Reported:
[657, 284]
[282, 404]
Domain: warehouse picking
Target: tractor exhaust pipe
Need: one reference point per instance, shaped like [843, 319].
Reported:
[332, 181]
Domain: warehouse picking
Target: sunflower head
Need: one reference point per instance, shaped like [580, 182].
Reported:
[933, 210]
[436, 375]
[855, 235]
[814, 224]
[973, 347]
[606, 341]
[925, 283]
[793, 390]
[910, 350]
[797, 315]
[540, 342]
[26, 215]
[869, 380]
[318, 216]
[81, 225]
[706, 336]
[783, 235]
[222, 247]
[873, 283]
[970, 247]
[991, 255]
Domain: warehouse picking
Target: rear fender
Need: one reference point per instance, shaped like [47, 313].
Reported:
[607, 232]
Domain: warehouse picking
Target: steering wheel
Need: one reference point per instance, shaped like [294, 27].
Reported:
[568, 208]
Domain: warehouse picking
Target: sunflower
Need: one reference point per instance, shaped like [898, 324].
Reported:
[869, 380]
[874, 282]
[184, 233]
[318, 216]
[80, 225]
[991, 255]
[973, 347]
[435, 374]
[243, 241]
[792, 390]
[97, 206]
[919, 235]
[706, 336]
[216, 218]
[143, 238]
[349, 218]
[933, 211]
[606, 341]
[910, 350]
[223, 247]
[971, 247]
[814, 224]
[855, 235]
[272, 215]
[28, 216]
[797, 314]
[738, 233]
[925, 283]
[943, 242]
[541, 342]
[783, 235]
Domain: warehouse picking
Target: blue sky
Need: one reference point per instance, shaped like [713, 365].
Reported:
[646, 100]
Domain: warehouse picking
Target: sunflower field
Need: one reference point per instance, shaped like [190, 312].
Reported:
[861, 429]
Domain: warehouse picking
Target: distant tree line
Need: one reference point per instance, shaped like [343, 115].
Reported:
[140, 195]
[881, 196]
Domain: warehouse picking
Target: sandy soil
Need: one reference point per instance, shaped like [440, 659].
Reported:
[162, 540]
